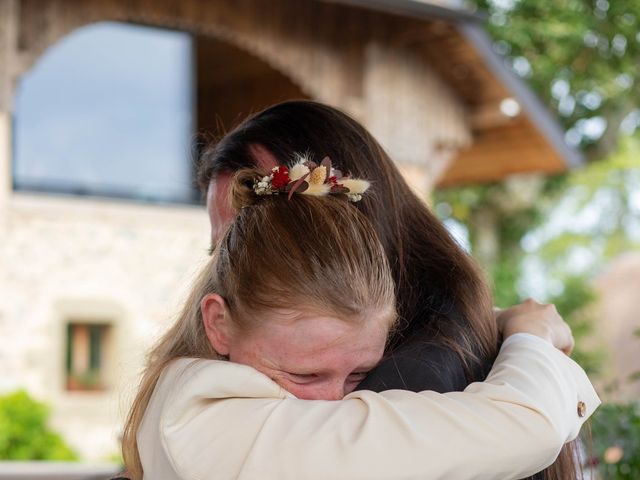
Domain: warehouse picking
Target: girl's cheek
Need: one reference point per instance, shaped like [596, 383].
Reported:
[303, 392]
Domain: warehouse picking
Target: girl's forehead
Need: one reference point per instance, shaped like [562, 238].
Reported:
[322, 342]
[314, 332]
[324, 320]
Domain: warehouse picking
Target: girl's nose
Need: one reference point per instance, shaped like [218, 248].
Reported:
[336, 391]
[331, 391]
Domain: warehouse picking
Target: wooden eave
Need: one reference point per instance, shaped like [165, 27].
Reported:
[461, 51]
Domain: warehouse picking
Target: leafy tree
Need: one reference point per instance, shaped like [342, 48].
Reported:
[574, 302]
[496, 221]
[24, 434]
[603, 202]
[616, 442]
[581, 57]
[549, 238]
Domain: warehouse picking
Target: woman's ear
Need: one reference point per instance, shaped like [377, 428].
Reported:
[217, 324]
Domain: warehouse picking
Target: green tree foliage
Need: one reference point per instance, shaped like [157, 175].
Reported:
[602, 205]
[548, 238]
[24, 434]
[574, 302]
[616, 441]
[581, 57]
[497, 217]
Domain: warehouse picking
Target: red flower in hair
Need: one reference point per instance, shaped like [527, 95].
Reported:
[280, 177]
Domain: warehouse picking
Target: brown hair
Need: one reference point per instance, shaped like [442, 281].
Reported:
[441, 294]
[316, 253]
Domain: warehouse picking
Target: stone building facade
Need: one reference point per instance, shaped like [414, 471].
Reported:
[100, 279]
[79, 261]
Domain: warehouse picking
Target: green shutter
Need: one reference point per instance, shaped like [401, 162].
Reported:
[95, 338]
[69, 356]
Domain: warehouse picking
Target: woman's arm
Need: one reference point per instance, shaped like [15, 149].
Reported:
[224, 420]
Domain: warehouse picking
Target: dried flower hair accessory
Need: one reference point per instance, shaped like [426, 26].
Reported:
[309, 178]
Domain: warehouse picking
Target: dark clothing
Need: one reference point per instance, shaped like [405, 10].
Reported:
[419, 365]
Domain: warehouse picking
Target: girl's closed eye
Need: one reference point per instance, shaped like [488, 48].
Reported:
[303, 378]
[355, 377]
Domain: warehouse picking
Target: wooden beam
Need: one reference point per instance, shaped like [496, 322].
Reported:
[492, 115]
[8, 45]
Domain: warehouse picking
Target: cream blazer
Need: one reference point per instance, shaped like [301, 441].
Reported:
[220, 420]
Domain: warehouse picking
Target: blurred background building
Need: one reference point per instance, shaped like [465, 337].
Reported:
[101, 101]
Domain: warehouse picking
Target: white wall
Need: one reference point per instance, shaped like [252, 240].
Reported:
[78, 257]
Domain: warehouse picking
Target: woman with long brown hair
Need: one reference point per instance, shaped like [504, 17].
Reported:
[446, 337]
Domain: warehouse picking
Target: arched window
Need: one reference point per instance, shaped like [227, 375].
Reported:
[108, 111]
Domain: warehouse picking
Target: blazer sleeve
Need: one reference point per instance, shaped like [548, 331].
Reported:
[509, 426]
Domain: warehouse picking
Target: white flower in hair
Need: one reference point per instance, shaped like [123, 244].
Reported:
[317, 189]
[355, 185]
[308, 178]
[299, 170]
[263, 186]
[356, 188]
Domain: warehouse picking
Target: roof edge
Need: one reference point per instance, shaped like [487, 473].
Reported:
[470, 25]
[416, 9]
[533, 107]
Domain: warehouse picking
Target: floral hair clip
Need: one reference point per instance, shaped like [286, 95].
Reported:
[309, 178]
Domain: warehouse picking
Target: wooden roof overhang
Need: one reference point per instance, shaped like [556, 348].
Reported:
[462, 53]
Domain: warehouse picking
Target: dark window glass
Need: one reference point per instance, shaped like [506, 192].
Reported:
[108, 111]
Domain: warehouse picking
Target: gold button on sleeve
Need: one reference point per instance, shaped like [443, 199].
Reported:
[582, 409]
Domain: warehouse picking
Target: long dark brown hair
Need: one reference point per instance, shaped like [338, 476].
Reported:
[441, 294]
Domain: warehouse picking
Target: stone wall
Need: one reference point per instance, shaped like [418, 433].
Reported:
[76, 258]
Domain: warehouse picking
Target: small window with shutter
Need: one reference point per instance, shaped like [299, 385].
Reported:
[86, 356]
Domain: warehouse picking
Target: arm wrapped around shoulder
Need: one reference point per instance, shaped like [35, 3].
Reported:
[520, 365]
[229, 421]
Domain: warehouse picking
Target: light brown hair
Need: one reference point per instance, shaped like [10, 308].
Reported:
[441, 294]
[319, 254]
